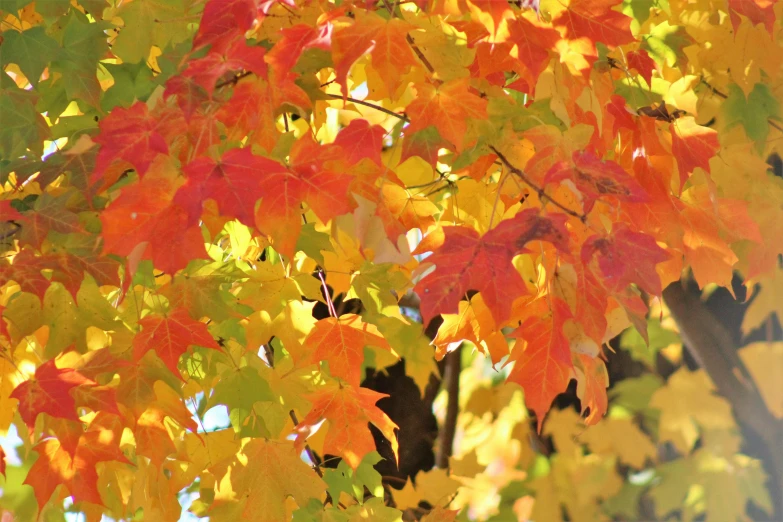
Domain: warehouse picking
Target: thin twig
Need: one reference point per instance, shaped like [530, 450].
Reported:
[370, 105]
[541, 192]
[308, 450]
[328, 297]
[719, 94]
[233, 80]
[421, 56]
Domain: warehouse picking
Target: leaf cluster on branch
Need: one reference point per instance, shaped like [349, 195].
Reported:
[195, 191]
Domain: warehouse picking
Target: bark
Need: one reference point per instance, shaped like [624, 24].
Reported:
[711, 345]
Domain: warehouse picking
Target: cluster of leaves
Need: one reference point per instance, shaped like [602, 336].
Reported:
[184, 182]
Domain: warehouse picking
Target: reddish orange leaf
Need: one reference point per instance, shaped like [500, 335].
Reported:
[341, 341]
[233, 182]
[307, 180]
[596, 21]
[129, 135]
[386, 41]
[293, 42]
[595, 179]
[361, 140]
[76, 471]
[347, 410]
[446, 107]
[467, 261]
[692, 146]
[237, 57]
[544, 367]
[170, 335]
[50, 391]
[642, 62]
[626, 257]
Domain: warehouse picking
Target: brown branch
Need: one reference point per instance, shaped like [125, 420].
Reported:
[370, 105]
[233, 80]
[711, 346]
[539, 190]
[451, 379]
[420, 54]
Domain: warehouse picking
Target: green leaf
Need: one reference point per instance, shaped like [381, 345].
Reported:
[22, 128]
[149, 23]
[131, 82]
[752, 113]
[31, 50]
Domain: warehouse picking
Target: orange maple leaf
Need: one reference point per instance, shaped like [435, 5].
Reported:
[347, 410]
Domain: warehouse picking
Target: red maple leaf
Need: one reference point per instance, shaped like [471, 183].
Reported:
[592, 380]
[595, 179]
[361, 140]
[309, 179]
[143, 214]
[223, 21]
[544, 367]
[130, 135]
[293, 42]
[757, 11]
[626, 257]
[534, 44]
[170, 336]
[51, 391]
[642, 62]
[467, 261]
[237, 57]
[233, 182]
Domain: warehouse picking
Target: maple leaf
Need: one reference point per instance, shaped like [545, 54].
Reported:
[361, 140]
[757, 11]
[386, 41]
[447, 107]
[130, 135]
[544, 367]
[223, 21]
[77, 470]
[467, 261]
[693, 146]
[341, 341]
[309, 180]
[592, 380]
[293, 42]
[144, 214]
[534, 44]
[238, 57]
[642, 62]
[596, 21]
[626, 257]
[347, 410]
[170, 336]
[263, 475]
[51, 392]
[595, 178]
[233, 182]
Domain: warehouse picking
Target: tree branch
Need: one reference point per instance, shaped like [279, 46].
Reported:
[370, 105]
[541, 192]
[451, 379]
[711, 346]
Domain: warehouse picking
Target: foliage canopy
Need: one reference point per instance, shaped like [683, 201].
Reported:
[249, 206]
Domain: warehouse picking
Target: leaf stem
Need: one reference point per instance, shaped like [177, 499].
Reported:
[370, 105]
[328, 297]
